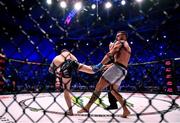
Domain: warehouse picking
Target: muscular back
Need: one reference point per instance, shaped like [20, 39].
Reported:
[123, 55]
[58, 60]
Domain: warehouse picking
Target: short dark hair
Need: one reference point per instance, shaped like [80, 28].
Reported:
[64, 50]
[123, 32]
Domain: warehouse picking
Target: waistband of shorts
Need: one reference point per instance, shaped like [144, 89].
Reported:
[121, 65]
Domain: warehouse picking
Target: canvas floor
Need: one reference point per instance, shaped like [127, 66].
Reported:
[50, 107]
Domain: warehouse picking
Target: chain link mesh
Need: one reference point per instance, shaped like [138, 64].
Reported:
[32, 33]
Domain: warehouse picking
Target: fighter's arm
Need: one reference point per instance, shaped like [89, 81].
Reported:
[111, 45]
[51, 68]
[107, 66]
[115, 48]
[128, 48]
[110, 55]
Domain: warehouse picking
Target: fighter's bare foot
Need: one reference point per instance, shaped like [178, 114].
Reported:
[83, 110]
[125, 114]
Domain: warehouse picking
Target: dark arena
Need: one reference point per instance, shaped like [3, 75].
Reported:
[76, 61]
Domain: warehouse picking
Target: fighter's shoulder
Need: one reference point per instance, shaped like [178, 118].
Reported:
[57, 58]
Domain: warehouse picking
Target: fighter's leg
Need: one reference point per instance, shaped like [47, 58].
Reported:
[86, 68]
[99, 87]
[57, 79]
[81, 67]
[66, 85]
[114, 91]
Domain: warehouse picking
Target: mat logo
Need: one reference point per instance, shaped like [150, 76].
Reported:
[100, 102]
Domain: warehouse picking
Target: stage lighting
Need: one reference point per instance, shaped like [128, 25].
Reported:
[108, 5]
[139, 1]
[63, 4]
[49, 2]
[78, 6]
[123, 2]
[93, 6]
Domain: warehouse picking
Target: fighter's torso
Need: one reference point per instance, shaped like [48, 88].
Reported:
[123, 55]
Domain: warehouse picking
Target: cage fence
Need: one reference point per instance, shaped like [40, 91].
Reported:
[32, 33]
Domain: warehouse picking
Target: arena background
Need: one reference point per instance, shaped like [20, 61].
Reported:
[32, 33]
